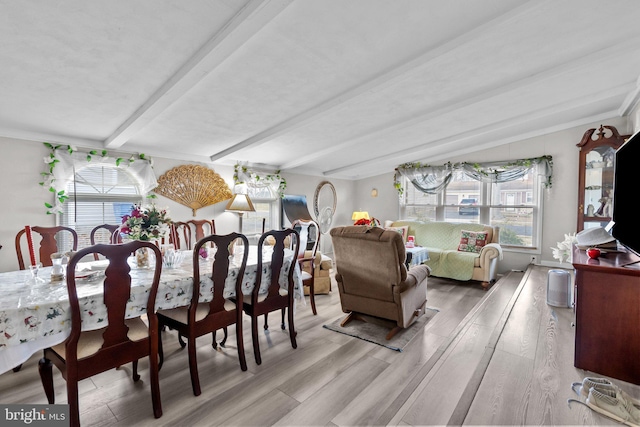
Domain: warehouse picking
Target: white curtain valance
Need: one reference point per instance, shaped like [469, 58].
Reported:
[64, 161]
[258, 179]
[434, 179]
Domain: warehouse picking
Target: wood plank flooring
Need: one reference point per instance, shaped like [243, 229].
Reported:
[500, 357]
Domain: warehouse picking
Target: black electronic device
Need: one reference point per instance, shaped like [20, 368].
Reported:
[626, 226]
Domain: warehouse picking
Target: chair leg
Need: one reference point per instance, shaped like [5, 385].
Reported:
[312, 298]
[160, 351]
[45, 368]
[254, 336]
[282, 325]
[193, 367]
[292, 329]
[266, 326]
[240, 344]
[136, 375]
[154, 367]
[72, 400]
[181, 341]
[226, 334]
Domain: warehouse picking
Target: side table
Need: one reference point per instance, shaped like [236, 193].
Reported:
[416, 256]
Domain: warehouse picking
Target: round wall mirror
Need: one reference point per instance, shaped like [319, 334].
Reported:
[324, 205]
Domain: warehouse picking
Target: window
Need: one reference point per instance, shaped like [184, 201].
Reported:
[514, 206]
[265, 202]
[99, 194]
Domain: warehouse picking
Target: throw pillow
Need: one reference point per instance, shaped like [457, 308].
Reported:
[472, 241]
[403, 231]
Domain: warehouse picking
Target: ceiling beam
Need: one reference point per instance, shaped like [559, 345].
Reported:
[384, 79]
[51, 138]
[605, 55]
[244, 25]
[631, 101]
[445, 144]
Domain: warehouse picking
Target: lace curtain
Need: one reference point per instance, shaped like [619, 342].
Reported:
[257, 179]
[64, 162]
[428, 179]
[434, 179]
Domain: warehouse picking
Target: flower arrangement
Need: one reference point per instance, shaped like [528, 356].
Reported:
[146, 223]
[563, 250]
[370, 222]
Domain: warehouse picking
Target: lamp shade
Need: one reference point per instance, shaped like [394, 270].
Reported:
[360, 215]
[240, 203]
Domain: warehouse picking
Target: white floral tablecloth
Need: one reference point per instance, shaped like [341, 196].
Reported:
[36, 317]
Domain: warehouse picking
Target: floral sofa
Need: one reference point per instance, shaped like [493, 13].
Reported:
[460, 251]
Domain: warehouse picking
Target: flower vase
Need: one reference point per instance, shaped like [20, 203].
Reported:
[142, 257]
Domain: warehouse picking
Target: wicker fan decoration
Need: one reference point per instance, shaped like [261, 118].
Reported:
[194, 186]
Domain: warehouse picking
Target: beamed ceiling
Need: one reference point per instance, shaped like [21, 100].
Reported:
[337, 88]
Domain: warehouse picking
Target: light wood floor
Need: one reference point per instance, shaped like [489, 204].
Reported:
[501, 357]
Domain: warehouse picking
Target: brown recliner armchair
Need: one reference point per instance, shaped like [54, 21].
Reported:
[372, 277]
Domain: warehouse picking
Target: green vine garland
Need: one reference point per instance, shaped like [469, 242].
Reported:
[269, 178]
[485, 171]
[48, 179]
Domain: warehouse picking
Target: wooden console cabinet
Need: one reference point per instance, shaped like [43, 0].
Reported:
[607, 304]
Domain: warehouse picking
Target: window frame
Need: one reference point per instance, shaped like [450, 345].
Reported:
[273, 200]
[485, 207]
[68, 217]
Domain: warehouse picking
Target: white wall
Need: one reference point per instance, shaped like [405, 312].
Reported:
[22, 162]
[345, 205]
[560, 202]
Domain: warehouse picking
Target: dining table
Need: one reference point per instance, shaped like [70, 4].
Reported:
[35, 313]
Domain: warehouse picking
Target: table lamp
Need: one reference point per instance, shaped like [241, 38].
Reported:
[360, 215]
[240, 203]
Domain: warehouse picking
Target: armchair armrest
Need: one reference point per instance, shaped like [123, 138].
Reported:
[415, 276]
[490, 252]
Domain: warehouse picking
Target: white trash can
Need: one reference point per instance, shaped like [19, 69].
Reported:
[559, 288]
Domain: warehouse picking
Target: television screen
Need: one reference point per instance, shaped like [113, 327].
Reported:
[626, 194]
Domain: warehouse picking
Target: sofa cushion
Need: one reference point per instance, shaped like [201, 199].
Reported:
[452, 263]
[472, 241]
[443, 235]
[402, 230]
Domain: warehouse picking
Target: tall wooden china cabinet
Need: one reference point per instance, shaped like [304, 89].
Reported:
[595, 176]
[607, 289]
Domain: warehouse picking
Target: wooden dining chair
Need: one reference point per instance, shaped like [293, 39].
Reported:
[276, 298]
[202, 227]
[87, 353]
[104, 233]
[201, 318]
[307, 255]
[182, 236]
[48, 243]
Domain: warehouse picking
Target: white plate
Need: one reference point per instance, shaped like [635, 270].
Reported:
[87, 274]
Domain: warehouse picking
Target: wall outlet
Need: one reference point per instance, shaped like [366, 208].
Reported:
[533, 259]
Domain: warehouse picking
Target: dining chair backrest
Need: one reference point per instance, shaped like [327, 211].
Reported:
[113, 346]
[201, 318]
[281, 240]
[308, 241]
[202, 228]
[181, 238]
[48, 244]
[219, 271]
[117, 292]
[275, 299]
[105, 233]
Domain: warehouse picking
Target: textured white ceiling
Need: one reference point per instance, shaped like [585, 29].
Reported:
[340, 88]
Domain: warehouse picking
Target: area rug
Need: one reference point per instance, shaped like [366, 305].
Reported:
[375, 329]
